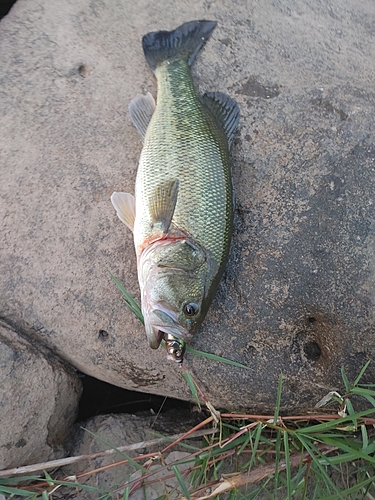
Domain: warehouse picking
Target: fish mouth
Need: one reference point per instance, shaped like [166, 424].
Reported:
[162, 321]
[154, 335]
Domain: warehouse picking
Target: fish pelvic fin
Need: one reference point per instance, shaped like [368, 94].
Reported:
[225, 110]
[162, 205]
[184, 42]
[141, 109]
[124, 204]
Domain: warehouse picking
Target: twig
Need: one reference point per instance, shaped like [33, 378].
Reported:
[53, 464]
[294, 418]
[190, 433]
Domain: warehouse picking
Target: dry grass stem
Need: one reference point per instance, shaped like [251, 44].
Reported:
[53, 464]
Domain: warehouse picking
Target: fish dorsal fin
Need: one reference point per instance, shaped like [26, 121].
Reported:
[124, 204]
[225, 110]
[141, 109]
[162, 204]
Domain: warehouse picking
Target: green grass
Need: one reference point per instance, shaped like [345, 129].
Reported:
[329, 455]
[312, 457]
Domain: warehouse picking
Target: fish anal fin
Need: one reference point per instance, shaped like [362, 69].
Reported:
[162, 205]
[225, 110]
[124, 204]
[141, 109]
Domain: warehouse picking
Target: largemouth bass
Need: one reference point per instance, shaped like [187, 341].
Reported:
[182, 212]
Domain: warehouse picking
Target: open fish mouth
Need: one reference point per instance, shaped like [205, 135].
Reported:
[154, 335]
[162, 321]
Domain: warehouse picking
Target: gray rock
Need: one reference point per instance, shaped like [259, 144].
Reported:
[298, 292]
[39, 401]
[106, 432]
[102, 433]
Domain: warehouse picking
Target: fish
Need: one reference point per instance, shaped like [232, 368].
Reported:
[182, 212]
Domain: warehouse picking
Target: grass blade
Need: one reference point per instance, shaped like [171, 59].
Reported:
[365, 393]
[277, 460]
[245, 443]
[345, 380]
[350, 411]
[217, 358]
[333, 424]
[340, 495]
[278, 400]
[364, 437]
[254, 447]
[126, 494]
[128, 299]
[287, 465]
[361, 373]
[181, 482]
[358, 453]
[316, 460]
[193, 389]
[15, 491]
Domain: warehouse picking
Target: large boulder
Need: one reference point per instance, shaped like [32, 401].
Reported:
[297, 296]
[39, 401]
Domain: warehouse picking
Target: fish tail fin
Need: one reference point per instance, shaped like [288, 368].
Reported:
[184, 42]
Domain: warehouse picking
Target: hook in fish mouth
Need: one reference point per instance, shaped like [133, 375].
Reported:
[161, 321]
[175, 348]
[162, 324]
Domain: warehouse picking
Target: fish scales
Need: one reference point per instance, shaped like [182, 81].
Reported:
[183, 142]
[182, 212]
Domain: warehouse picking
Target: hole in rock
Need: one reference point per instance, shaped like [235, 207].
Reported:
[100, 398]
[312, 350]
[5, 6]
[103, 334]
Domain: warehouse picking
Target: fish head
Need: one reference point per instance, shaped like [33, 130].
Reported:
[172, 275]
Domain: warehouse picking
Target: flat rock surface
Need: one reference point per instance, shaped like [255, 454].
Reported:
[297, 296]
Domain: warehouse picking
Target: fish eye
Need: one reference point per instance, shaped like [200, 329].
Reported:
[190, 309]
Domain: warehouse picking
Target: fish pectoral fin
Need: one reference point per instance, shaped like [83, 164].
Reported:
[162, 205]
[124, 204]
[225, 111]
[141, 109]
